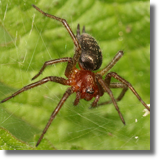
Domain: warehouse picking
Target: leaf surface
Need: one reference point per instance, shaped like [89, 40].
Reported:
[29, 39]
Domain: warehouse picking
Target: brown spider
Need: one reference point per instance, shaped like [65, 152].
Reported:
[83, 81]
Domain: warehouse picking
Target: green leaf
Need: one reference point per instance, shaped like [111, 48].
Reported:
[9, 142]
[28, 39]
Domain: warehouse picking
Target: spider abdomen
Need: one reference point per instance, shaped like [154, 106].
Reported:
[91, 56]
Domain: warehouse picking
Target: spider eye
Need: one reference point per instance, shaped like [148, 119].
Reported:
[90, 90]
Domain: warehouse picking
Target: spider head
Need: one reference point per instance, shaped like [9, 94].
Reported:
[85, 80]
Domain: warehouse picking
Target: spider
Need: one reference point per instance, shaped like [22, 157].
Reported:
[83, 81]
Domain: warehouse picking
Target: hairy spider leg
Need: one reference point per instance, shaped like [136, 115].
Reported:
[101, 92]
[119, 78]
[78, 97]
[77, 54]
[111, 64]
[94, 104]
[107, 89]
[32, 85]
[60, 104]
[121, 95]
[47, 63]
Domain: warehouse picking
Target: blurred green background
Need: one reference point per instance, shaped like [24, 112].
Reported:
[28, 39]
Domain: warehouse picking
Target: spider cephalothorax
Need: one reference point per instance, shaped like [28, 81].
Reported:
[84, 84]
[83, 81]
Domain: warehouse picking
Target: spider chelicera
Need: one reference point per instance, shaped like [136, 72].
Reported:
[83, 81]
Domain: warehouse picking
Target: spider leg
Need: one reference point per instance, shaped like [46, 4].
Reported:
[78, 97]
[64, 98]
[107, 89]
[101, 92]
[94, 104]
[32, 85]
[116, 76]
[111, 64]
[116, 85]
[76, 43]
[47, 63]
[64, 22]
[119, 85]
